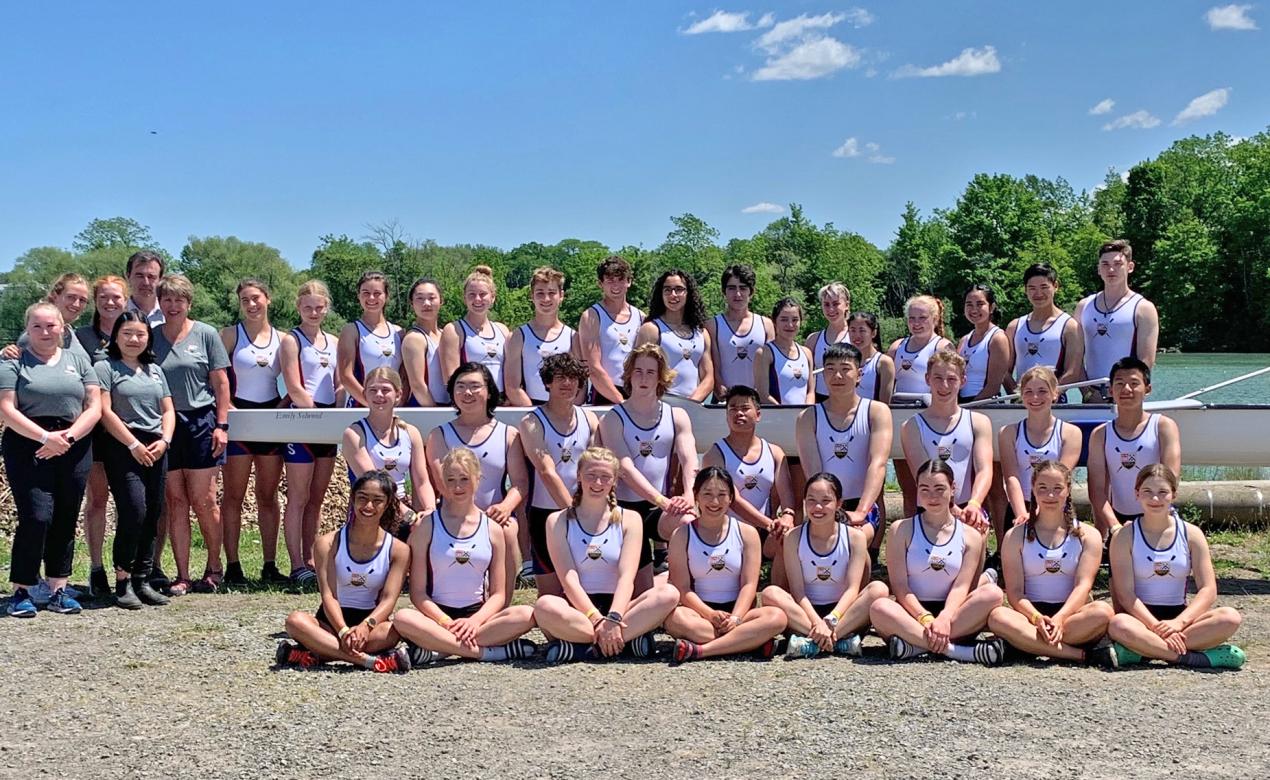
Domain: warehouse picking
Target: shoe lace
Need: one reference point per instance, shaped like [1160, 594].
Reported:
[301, 657]
[386, 663]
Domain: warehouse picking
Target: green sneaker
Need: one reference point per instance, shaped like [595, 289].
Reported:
[1125, 656]
[1225, 656]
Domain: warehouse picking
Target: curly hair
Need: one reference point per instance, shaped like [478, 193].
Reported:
[694, 306]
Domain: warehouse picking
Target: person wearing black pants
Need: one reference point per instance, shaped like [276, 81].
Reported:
[137, 411]
[49, 401]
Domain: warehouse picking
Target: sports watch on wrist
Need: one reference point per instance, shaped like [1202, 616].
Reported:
[614, 616]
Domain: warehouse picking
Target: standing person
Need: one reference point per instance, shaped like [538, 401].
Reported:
[596, 547]
[307, 360]
[1048, 565]
[253, 346]
[382, 441]
[850, 438]
[1116, 322]
[941, 604]
[145, 270]
[69, 293]
[49, 401]
[924, 315]
[738, 333]
[647, 435]
[475, 338]
[368, 342]
[782, 368]
[835, 304]
[607, 331]
[829, 597]
[504, 479]
[1150, 563]
[1035, 439]
[139, 420]
[1047, 336]
[361, 568]
[760, 469]
[421, 347]
[676, 323]
[458, 578]
[714, 565]
[985, 348]
[542, 336]
[877, 371]
[110, 299]
[195, 363]
[1121, 448]
[554, 436]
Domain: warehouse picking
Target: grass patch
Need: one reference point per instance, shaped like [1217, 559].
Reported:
[1236, 552]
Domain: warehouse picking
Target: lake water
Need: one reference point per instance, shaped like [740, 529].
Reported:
[1178, 374]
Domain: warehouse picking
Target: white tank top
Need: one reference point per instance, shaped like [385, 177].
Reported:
[824, 574]
[595, 556]
[684, 356]
[458, 565]
[437, 379]
[818, 358]
[617, 339]
[358, 583]
[565, 449]
[650, 449]
[976, 356]
[253, 370]
[492, 453]
[1049, 573]
[753, 479]
[374, 350]
[317, 366]
[488, 351]
[910, 367]
[845, 453]
[716, 568]
[1028, 455]
[933, 567]
[532, 353]
[1125, 458]
[1039, 349]
[870, 380]
[1109, 335]
[787, 377]
[1159, 576]
[736, 351]
[955, 447]
[395, 458]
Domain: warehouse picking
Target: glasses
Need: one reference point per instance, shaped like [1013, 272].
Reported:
[466, 387]
[599, 479]
[675, 290]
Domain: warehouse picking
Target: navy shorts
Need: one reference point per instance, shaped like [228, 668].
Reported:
[308, 453]
[192, 440]
[254, 447]
[874, 517]
[455, 613]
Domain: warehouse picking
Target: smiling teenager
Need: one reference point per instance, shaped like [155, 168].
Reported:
[421, 346]
[676, 323]
[607, 330]
[368, 342]
[782, 368]
[537, 339]
[476, 338]
[1116, 322]
[835, 305]
[737, 334]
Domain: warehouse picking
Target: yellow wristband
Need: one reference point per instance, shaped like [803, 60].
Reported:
[592, 612]
[926, 619]
[834, 614]
[1036, 617]
[345, 631]
[973, 504]
[446, 620]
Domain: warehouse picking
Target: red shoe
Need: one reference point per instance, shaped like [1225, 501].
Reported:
[397, 660]
[295, 655]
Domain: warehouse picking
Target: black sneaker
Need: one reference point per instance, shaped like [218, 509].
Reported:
[1103, 655]
[661, 560]
[270, 575]
[158, 580]
[99, 583]
[148, 595]
[234, 575]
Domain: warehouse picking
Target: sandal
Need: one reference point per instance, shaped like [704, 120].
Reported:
[179, 587]
[210, 582]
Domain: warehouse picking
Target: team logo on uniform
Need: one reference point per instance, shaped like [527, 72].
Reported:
[687, 353]
[462, 557]
[824, 573]
[742, 352]
[1033, 347]
[944, 452]
[719, 561]
[936, 561]
[1102, 329]
[1035, 458]
[387, 351]
[1054, 565]
[262, 360]
[798, 372]
[192, 349]
[593, 551]
[840, 449]
[751, 481]
[646, 447]
[1161, 567]
[70, 370]
[357, 579]
[566, 454]
[491, 351]
[324, 361]
[390, 464]
[1128, 460]
[622, 339]
[906, 364]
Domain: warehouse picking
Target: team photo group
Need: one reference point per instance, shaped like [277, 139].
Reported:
[601, 495]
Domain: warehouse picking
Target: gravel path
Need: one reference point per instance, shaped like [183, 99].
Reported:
[189, 691]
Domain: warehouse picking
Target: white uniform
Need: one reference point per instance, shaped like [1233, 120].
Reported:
[1109, 335]
[565, 449]
[458, 565]
[595, 557]
[788, 377]
[845, 453]
[650, 450]
[1049, 573]
[737, 350]
[394, 458]
[818, 358]
[317, 367]
[1028, 455]
[955, 447]
[976, 356]
[374, 350]
[253, 370]
[1159, 576]
[437, 379]
[492, 453]
[910, 367]
[933, 567]
[716, 568]
[824, 574]
[870, 380]
[358, 583]
[1040, 349]
[617, 339]
[533, 351]
[753, 479]
[684, 356]
[488, 351]
[1125, 458]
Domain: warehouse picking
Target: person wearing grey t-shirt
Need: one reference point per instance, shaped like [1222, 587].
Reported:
[49, 401]
[194, 362]
[69, 293]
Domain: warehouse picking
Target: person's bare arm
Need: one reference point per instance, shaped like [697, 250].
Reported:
[879, 453]
[762, 364]
[354, 452]
[911, 445]
[805, 438]
[450, 349]
[712, 344]
[513, 371]
[886, 379]
[414, 358]
[685, 451]
[1170, 444]
[1014, 490]
[1100, 482]
[1147, 322]
[1073, 353]
[705, 373]
[648, 334]
[589, 336]
[998, 366]
[345, 357]
[539, 457]
[289, 357]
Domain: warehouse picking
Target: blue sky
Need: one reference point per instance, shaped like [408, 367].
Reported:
[503, 123]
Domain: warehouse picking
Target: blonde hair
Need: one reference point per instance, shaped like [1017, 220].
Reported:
[1069, 511]
[389, 375]
[481, 273]
[62, 282]
[176, 285]
[665, 374]
[465, 459]
[313, 287]
[936, 305]
[1043, 373]
[546, 275]
[946, 357]
[42, 306]
[605, 457]
[835, 290]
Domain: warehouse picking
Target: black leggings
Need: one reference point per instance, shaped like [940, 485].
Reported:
[47, 495]
[138, 492]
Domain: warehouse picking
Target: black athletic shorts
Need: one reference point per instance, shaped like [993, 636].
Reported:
[539, 555]
[874, 517]
[1165, 611]
[352, 616]
[454, 613]
[192, 440]
[254, 447]
[1123, 518]
[602, 601]
[721, 606]
[649, 514]
[823, 610]
[935, 608]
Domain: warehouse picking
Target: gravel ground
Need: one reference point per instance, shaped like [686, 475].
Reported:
[190, 690]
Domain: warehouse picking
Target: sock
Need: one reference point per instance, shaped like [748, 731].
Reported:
[964, 653]
[99, 568]
[368, 661]
[496, 653]
[641, 646]
[1193, 658]
[687, 651]
[902, 651]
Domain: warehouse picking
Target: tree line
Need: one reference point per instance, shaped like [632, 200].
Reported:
[1197, 215]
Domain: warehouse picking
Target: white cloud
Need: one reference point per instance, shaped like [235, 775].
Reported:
[810, 59]
[726, 22]
[792, 29]
[1104, 107]
[860, 17]
[849, 148]
[1138, 120]
[971, 62]
[870, 151]
[963, 115]
[763, 208]
[1230, 17]
[1206, 104]
[876, 156]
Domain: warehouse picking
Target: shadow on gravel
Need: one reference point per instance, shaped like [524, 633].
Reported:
[1240, 586]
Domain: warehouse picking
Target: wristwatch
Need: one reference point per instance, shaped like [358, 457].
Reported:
[831, 621]
[222, 426]
[371, 622]
[614, 616]
[70, 438]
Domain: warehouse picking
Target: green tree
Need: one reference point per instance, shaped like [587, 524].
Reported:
[217, 264]
[113, 232]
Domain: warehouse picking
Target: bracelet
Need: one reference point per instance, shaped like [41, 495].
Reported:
[591, 613]
[135, 444]
[1036, 617]
[834, 614]
[167, 440]
[972, 504]
[926, 619]
[44, 439]
[345, 631]
[446, 620]
[786, 511]
[736, 621]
